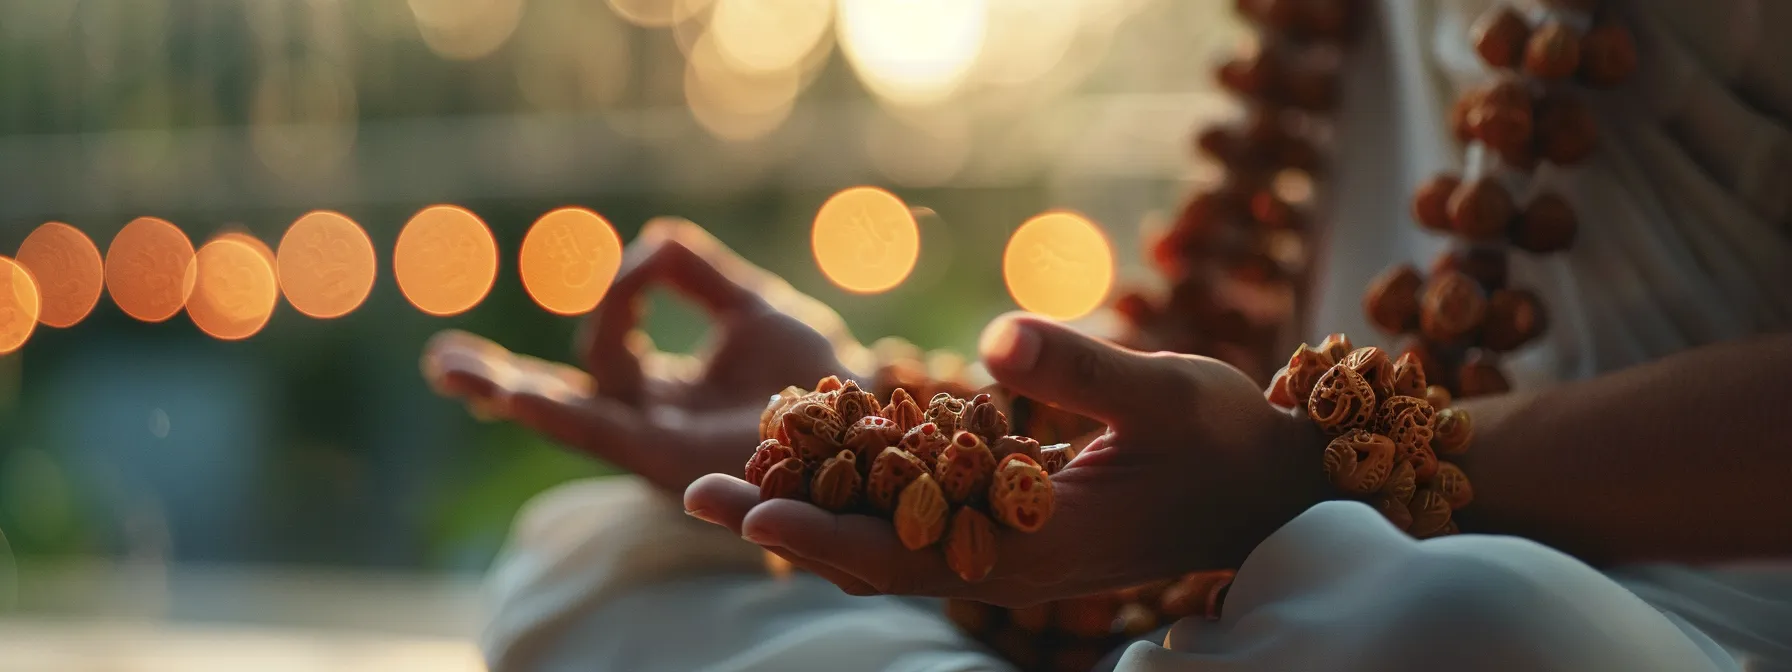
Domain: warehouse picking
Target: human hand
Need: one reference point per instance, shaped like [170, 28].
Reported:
[667, 420]
[1193, 472]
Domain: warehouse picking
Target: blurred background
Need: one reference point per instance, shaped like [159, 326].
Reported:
[306, 477]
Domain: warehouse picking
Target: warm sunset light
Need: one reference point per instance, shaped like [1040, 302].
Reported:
[19, 305]
[865, 240]
[326, 265]
[568, 259]
[769, 35]
[445, 260]
[1058, 264]
[148, 269]
[261, 248]
[914, 52]
[234, 291]
[68, 270]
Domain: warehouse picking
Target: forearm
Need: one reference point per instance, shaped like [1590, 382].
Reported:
[1682, 459]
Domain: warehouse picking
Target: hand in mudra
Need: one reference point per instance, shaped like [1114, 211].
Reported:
[1193, 472]
[629, 407]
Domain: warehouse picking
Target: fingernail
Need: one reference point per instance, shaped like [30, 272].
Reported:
[1010, 343]
[761, 537]
[702, 515]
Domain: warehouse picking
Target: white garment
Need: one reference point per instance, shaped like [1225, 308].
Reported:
[1684, 218]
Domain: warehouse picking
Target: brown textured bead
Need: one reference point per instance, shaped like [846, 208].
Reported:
[1221, 143]
[837, 483]
[1489, 266]
[768, 454]
[1553, 51]
[1480, 376]
[1608, 55]
[1393, 300]
[1452, 308]
[1409, 376]
[870, 436]
[1514, 318]
[1566, 130]
[1021, 494]
[926, 442]
[854, 403]
[1341, 401]
[1547, 225]
[1328, 20]
[1501, 116]
[1500, 36]
[787, 480]
[1305, 368]
[1407, 422]
[1375, 367]
[944, 411]
[971, 544]
[1430, 512]
[828, 384]
[1430, 203]
[1336, 346]
[1435, 373]
[1438, 396]
[1481, 210]
[1015, 445]
[892, 472]
[903, 410]
[1401, 483]
[1358, 462]
[1453, 485]
[1394, 510]
[981, 417]
[965, 468]
[1252, 76]
[1279, 394]
[1452, 431]
[773, 416]
[1274, 213]
[813, 429]
[1424, 463]
[1196, 594]
[921, 513]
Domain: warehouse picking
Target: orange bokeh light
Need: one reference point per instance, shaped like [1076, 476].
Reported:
[1058, 264]
[19, 305]
[445, 260]
[865, 240]
[234, 291]
[69, 272]
[326, 265]
[568, 259]
[149, 269]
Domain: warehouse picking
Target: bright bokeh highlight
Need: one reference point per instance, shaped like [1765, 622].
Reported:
[149, 269]
[326, 265]
[865, 240]
[1058, 264]
[69, 272]
[466, 30]
[657, 13]
[768, 35]
[912, 52]
[234, 290]
[733, 105]
[19, 305]
[568, 259]
[445, 260]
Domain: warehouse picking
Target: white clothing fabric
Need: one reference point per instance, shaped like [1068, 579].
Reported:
[1684, 213]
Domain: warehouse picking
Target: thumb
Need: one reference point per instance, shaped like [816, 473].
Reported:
[1057, 365]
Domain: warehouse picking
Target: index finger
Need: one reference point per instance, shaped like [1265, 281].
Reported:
[1094, 378]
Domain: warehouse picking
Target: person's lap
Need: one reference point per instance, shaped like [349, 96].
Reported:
[614, 576]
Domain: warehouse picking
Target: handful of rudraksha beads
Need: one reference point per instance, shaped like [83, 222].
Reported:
[945, 473]
[1389, 428]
